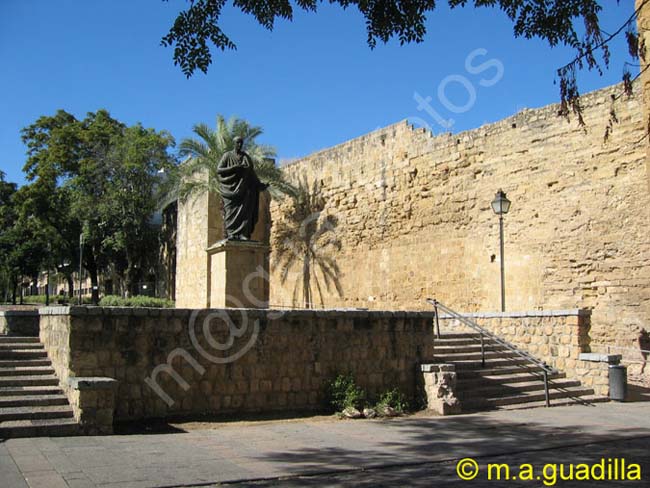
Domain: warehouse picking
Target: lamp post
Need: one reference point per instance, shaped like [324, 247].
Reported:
[81, 253]
[47, 284]
[501, 206]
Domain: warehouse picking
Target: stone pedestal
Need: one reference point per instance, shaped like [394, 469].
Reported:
[239, 274]
[439, 381]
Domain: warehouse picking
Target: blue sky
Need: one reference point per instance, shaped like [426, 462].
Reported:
[310, 84]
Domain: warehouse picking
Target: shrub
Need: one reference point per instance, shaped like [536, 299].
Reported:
[40, 299]
[54, 300]
[343, 392]
[137, 301]
[392, 398]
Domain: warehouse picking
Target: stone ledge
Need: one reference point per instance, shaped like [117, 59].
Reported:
[91, 383]
[574, 312]
[600, 358]
[19, 313]
[437, 367]
[270, 314]
[230, 245]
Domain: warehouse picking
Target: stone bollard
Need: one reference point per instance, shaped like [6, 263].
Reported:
[93, 403]
[440, 388]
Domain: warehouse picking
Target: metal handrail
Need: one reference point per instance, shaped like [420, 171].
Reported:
[546, 369]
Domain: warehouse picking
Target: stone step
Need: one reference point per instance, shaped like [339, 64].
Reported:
[14, 363]
[559, 402]
[26, 371]
[471, 337]
[33, 400]
[483, 380]
[39, 428]
[444, 349]
[473, 356]
[510, 389]
[464, 365]
[28, 380]
[16, 346]
[461, 343]
[6, 391]
[498, 371]
[23, 354]
[524, 397]
[34, 413]
[19, 339]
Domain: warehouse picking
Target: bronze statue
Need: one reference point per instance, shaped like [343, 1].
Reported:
[240, 190]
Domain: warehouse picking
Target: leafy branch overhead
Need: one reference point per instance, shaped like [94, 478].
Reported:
[587, 57]
[198, 27]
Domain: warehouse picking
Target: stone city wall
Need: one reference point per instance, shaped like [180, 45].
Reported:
[291, 357]
[413, 218]
[557, 337]
[643, 28]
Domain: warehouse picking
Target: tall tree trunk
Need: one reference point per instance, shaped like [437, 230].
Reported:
[130, 281]
[94, 284]
[91, 268]
[70, 281]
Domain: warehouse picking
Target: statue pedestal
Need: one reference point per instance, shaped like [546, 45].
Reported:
[238, 274]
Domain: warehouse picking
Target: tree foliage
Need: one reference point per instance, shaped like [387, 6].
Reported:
[199, 171]
[99, 178]
[8, 275]
[198, 28]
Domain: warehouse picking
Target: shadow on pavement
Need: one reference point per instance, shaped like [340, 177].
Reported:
[432, 440]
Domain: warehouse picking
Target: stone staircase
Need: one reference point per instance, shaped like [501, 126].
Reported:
[507, 381]
[31, 402]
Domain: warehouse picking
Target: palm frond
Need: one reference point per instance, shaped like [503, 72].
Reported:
[193, 148]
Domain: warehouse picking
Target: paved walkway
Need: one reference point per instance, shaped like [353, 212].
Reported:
[406, 451]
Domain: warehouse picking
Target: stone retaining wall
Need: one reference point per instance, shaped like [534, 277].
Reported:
[165, 362]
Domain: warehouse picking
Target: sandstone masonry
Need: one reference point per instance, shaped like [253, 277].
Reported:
[287, 357]
[414, 217]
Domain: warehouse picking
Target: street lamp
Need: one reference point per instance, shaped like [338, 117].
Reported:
[501, 205]
[47, 284]
[81, 253]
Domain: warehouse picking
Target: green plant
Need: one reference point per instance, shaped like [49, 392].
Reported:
[394, 399]
[136, 301]
[343, 392]
[54, 300]
[40, 299]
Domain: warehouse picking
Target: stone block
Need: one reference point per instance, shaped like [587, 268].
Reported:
[237, 275]
[440, 388]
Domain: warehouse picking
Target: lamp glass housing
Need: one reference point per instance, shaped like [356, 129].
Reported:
[500, 204]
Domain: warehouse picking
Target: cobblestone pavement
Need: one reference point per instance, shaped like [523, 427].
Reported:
[412, 451]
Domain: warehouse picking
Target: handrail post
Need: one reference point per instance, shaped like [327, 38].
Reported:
[482, 352]
[548, 400]
[435, 308]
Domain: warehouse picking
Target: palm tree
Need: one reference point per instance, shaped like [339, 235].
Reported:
[302, 239]
[204, 153]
